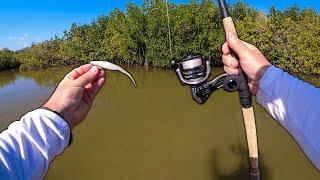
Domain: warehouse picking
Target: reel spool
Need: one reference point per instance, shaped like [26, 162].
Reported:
[192, 71]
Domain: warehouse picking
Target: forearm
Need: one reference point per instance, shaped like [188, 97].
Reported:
[29, 145]
[294, 104]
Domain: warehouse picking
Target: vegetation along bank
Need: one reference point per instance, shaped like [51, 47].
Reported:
[290, 39]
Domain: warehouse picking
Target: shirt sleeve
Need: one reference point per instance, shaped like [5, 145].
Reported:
[295, 105]
[28, 146]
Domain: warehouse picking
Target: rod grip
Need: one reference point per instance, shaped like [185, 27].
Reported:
[252, 140]
[229, 26]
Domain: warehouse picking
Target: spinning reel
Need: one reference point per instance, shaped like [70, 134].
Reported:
[193, 71]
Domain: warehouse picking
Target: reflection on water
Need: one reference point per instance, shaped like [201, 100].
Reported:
[7, 78]
[156, 131]
[241, 172]
[21, 91]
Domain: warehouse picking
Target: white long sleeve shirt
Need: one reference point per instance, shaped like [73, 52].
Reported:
[296, 105]
[28, 146]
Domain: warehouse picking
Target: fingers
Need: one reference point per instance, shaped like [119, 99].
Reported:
[96, 87]
[101, 74]
[230, 61]
[230, 64]
[77, 72]
[92, 89]
[88, 77]
[226, 49]
[230, 70]
[237, 45]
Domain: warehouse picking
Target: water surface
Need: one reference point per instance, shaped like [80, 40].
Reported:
[156, 131]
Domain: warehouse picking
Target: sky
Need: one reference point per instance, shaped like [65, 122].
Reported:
[26, 21]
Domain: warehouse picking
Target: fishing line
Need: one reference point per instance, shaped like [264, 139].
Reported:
[169, 30]
[107, 65]
[104, 38]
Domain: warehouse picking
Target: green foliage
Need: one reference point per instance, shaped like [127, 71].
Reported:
[289, 38]
[157, 33]
[8, 60]
[293, 42]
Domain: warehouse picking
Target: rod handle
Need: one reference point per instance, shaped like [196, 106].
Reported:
[252, 141]
[229, 26]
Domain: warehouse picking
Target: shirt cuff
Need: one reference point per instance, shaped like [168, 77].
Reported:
[269, 76]
[60, 123]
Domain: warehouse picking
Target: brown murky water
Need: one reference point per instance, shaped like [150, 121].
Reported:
[156, 131]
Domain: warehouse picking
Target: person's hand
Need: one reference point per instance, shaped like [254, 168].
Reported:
[252, 61]
[76, 92]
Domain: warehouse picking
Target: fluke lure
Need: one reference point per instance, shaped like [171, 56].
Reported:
[112, 67]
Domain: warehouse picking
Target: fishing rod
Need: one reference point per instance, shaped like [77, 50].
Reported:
[245, 100]
[193, 71]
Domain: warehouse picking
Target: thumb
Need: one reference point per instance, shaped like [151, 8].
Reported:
[237, 45]
[87, 77]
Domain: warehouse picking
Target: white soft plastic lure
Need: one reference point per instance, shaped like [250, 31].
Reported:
[112, 67]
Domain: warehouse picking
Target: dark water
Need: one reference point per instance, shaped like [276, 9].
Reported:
[156, 131]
